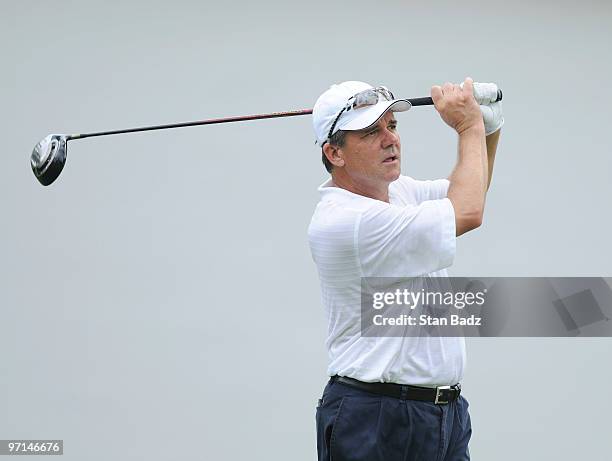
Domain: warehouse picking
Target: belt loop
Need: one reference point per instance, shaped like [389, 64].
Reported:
[403, 392]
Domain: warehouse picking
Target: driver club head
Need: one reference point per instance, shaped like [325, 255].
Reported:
[48, 158]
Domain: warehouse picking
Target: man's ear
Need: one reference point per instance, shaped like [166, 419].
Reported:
[334, 154]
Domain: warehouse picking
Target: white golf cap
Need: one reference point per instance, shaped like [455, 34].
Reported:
[333, 100]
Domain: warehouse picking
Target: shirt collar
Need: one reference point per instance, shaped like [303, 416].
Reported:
[329, 191]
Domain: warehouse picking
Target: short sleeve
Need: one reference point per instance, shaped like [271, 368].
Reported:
[406, 241]
[431, 190]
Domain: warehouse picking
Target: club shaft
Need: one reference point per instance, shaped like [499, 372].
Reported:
[427, 101]
[242, 118]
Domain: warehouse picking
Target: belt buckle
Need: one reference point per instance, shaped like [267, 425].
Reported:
[439, 389]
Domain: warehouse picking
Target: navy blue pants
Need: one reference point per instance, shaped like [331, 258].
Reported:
[354, 425]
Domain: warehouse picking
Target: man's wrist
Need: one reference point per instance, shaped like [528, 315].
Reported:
[495, 133]
[474, 130]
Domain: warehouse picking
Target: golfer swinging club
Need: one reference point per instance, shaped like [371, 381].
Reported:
[393, 398]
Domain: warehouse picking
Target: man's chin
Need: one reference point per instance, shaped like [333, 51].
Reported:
[394, 175]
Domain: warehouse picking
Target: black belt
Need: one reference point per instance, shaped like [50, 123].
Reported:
[439, 395]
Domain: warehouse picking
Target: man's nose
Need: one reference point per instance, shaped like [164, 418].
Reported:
[390, 137]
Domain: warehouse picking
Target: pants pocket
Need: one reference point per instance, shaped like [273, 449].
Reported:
[360, 433]
[326, 416]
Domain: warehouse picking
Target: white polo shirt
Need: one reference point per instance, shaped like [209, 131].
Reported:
[352, 236]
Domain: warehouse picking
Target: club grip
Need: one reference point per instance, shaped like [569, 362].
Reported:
[429, 102]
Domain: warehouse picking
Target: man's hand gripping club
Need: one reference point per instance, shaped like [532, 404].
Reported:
[486, 96]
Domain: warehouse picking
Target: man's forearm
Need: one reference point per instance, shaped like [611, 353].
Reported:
[469, 179]
[492, 141]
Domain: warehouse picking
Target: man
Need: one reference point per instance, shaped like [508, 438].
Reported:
[393, 398]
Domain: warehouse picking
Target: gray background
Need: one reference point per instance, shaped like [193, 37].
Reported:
[159, 300]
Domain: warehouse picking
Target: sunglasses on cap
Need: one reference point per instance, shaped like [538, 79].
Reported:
[364, 98]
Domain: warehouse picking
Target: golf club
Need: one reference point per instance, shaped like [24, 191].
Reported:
[49, 155]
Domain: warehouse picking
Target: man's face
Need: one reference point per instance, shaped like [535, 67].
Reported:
[372, 156]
